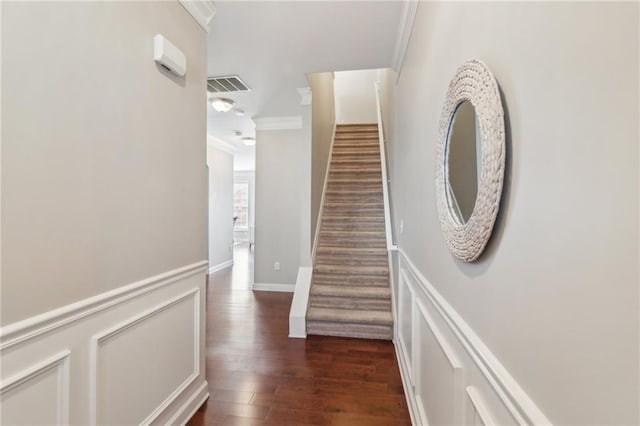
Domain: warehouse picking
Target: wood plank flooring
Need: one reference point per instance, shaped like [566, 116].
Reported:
[259, 376]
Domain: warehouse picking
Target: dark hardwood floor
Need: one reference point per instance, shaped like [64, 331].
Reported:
[259, 376]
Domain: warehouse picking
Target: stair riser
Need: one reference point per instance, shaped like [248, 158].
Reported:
[348, 243]
[343, 178]
[328, 260]
[356, 160]
[351, 292]
[373, 227]
[358, 152]
[327, 237]
[360, 251]
[345, 210]
[381, 271]
[354, 176]
[342, 303]
[360, 331]
[353, 173]
[337, 217]
[357, 148]
[360, 133]
[379, 281]
[360, 199]
[349, 188]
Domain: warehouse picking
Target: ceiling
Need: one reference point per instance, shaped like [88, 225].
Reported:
[272, 45]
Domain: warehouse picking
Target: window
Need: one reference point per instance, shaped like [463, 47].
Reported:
[241, 205]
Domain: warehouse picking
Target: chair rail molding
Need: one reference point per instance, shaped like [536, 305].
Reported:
[30, 328]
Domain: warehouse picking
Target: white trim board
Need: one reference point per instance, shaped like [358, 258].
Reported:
[29, 328]
[190, 406]
[407, 16]
[279, 123]
[220, 266]
[285, 288]
[300, 302]
[220, 144]
[202, 11]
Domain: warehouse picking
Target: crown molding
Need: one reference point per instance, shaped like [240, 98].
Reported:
[202, 11]
[279, 123]
[220, 144]
[407, 16]
[305, 95]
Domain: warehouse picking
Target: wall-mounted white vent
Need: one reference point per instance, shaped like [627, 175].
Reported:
[230, 83]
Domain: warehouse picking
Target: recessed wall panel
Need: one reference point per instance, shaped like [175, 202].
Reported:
[142, 362]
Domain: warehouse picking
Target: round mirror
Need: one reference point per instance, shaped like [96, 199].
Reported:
[463, 166]
[470, 160]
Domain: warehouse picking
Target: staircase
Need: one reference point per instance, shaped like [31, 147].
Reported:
[350, 294]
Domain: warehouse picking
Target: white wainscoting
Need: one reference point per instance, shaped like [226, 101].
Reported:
[449, 375]
[129, 356]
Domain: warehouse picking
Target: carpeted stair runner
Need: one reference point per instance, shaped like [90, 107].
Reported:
[350, 294]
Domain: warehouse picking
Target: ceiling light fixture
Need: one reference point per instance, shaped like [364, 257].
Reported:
[222, 104]
[249, 141]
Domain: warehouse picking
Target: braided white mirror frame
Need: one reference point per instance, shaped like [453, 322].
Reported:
[473, 82]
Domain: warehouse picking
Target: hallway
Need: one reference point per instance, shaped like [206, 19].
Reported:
[258, 376]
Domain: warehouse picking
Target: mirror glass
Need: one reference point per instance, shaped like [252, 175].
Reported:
[463, 162]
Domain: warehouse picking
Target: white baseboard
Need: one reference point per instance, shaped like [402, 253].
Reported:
[285, 288]
[190, 406]
[220, 266]
[105, 341]
[443, 347]
[406, 385]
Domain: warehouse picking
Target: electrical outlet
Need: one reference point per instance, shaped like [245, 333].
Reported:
[276, 266]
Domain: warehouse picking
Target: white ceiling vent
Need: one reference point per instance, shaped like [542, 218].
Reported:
[231, 83]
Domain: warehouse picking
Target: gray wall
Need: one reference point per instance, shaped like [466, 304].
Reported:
[281, 165]
[555, 295]
[355, 96]
[103, 152]
[323, 119]
[220, 206]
